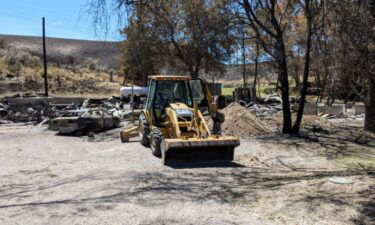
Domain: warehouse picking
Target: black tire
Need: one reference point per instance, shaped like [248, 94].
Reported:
[144, 131]
[156, 137]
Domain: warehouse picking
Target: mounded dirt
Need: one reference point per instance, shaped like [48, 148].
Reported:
[240, 122]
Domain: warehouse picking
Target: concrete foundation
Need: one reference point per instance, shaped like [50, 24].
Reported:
[336, 109]
[310, 108]
[21, 103]
[359, 108]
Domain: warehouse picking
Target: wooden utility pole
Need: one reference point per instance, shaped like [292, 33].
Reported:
[45, 59]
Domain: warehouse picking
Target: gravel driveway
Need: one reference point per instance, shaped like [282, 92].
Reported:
[51, 179]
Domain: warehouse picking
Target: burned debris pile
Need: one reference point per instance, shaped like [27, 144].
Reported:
[68, 115]
[246, 118]
[74, 115]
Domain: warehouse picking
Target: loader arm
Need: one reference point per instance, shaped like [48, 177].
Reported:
[217, 117]
[210, 99]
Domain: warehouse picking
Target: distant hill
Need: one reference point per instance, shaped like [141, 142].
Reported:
[72, 54]
[67, 51]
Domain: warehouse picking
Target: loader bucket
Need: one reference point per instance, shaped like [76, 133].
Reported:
[198, 150]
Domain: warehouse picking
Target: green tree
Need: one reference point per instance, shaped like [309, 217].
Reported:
[138, 52]
[197, 34]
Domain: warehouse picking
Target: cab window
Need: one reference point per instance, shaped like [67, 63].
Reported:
[151, 93]
[170, 91]
[196, 88]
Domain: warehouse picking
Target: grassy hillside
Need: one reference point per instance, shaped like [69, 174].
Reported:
[67, 51]
[75, 67]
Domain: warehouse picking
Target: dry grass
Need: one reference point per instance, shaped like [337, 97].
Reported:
[75, 67]
[81, 82]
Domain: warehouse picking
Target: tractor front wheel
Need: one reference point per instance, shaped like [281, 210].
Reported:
[144, 131]
[156, 137]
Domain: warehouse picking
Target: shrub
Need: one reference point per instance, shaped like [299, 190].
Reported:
[94, 65]
[15, 68]
[3, 44]
[14, 56]
[3, 52]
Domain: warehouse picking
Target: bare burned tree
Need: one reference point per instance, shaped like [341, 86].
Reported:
[311, 8]
[269, 19]
[355, 20]
[256, 62]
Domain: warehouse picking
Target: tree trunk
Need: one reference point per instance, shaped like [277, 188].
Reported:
[301, 107]
[324, 83]
[243, 60]
[195, 69]
[194, 73]
[370, 107]
[111, 76]
[125, 77]
[254, 88]
[58, 80]
[284, 83]
[296, 76]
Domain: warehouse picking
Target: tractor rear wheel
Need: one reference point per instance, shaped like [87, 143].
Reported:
[156, 137]
[144, 131]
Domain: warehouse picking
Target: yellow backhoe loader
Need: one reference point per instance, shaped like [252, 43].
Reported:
[172, 123]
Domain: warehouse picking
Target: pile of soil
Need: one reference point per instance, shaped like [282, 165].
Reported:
[240, 122]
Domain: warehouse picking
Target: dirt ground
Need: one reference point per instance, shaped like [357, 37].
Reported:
[50, 179]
